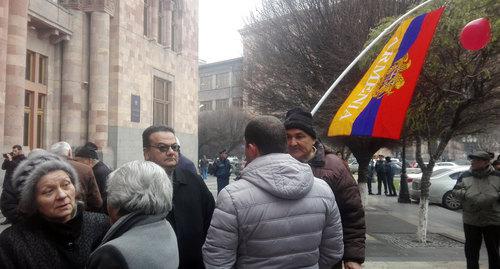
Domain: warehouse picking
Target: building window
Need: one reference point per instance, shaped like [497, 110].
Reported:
[206, 83]
[236, 79]
[222, 80]
[162, 90]
[206, 106]
[221, 104]
[35, 97]
[146, 17]
[42, 70]
[30, 66]
[237, 101]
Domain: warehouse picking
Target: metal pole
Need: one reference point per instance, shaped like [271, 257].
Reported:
[355, 61]
[404, 194]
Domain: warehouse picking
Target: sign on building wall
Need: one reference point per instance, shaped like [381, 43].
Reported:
[135, 108]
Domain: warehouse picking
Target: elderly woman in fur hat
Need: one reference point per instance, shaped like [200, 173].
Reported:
[55, 232]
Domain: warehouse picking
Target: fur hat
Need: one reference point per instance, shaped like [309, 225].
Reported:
[297, 118]
[30, 171]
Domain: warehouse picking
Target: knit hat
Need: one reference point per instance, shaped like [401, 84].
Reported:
[297, 118]
[86, 152]
[30, 171]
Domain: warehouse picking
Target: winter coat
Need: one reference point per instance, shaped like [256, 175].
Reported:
[101, 172]
[190, 217]
[89, 188]
[8, 198]
[137, 241]
[186, 164]
[389, 170]
[38, 243]
[329, 167]
[278, 215]
[222, 168]
[380, 167]
[479, 192]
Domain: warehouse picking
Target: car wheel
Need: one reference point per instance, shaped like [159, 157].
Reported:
[450, 201]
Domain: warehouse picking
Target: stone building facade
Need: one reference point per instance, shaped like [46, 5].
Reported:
[221, 85]
[100, 71]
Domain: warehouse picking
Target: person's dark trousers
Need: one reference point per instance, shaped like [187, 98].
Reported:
[221, 183]
[473, 238]
[369, 183]
[381, 179]
[392, 188]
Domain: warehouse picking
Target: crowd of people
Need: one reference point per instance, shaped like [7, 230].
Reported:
[294, 205]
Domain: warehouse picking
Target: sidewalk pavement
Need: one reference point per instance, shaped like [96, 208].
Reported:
[391, 237]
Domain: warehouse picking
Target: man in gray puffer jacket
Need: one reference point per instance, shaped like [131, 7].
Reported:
[278, 215]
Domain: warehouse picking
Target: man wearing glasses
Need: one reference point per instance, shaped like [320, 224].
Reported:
[193, 204]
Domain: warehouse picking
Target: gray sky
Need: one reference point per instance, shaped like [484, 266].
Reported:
[219, 22]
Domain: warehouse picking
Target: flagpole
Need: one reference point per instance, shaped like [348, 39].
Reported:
[329, 91]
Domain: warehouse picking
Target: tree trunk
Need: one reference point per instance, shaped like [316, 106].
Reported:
[363, 191]
[423, 214]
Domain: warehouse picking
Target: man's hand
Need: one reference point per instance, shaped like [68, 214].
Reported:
[352, 265]
[9, 156]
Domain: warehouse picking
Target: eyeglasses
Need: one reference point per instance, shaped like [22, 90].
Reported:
[166, 148]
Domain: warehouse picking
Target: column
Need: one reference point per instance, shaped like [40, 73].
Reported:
[71, 92]
[15, 70]
[4, 22]
[99, 78]
[168, 24]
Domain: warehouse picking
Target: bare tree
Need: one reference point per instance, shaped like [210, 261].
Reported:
[294, 50]
[458, 92]
[221, 129]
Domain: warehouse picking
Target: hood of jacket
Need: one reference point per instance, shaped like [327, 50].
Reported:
[281, 175]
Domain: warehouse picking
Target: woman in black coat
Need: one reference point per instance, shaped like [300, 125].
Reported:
[54, 231]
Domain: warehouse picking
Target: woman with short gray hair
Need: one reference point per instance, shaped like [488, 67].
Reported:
[139, 199]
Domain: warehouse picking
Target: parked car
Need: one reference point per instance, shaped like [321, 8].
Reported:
[442, 164]
[442, 182]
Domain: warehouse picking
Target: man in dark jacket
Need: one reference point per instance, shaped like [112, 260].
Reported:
[88, 156]
[222, 170]
[389, 174]
[303, 146]
[8, 200]
[381, 176]
[193, 203]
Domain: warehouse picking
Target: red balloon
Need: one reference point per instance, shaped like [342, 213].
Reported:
[476, 34]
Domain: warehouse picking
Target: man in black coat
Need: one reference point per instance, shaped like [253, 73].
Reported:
[8, 200]
[88, 155]
[381, 176]
[193, 203]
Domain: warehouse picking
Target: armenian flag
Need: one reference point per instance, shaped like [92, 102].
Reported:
[377, 106]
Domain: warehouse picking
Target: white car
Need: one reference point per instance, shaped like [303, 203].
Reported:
[445, 164]
[442, 182]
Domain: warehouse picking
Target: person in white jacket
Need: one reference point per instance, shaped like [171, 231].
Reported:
[278, 215]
